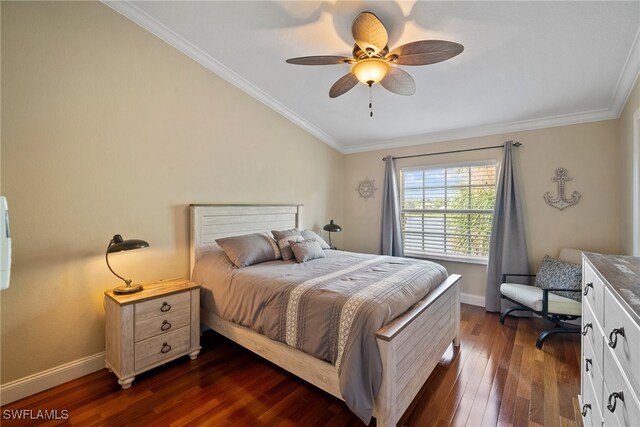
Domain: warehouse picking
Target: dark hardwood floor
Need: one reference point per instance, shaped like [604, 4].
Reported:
[497, 377]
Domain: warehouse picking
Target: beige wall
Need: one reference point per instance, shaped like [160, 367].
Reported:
[625, 169]
[588, 151]
[109, 130]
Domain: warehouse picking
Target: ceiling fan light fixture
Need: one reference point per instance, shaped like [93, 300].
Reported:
[370, 71]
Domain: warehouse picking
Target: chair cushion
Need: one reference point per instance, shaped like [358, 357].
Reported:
[556, 274]
[531, 297]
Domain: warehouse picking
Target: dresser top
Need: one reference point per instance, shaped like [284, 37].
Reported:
[622, 274]
[153, 290]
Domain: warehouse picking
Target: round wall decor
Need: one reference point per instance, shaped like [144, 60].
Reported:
[367, 188]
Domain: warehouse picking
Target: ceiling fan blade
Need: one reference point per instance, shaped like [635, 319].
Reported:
[343, 85]
[369, 33]
[424, 52]
[320, 60]
[399, 81]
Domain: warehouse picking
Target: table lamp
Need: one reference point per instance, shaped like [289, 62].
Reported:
[117, 244]
[332, 228]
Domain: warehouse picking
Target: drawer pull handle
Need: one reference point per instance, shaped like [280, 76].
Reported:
[585, 329]
[165, 307]
[165, 326]
[585, 408]
[587, 362]
[615, 396]
[613, 337]
[166, 348]
[586, 288]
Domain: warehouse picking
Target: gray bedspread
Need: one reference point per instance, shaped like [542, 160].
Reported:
[329, 308]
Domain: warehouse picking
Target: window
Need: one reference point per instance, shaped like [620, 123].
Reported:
[447, 211]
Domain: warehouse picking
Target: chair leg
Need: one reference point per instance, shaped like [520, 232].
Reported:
[545, 334]
[508, 311]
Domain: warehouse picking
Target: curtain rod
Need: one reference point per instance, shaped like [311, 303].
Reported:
[515, 144]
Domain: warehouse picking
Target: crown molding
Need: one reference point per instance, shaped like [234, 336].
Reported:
[628, 77]
[158, 29]
[479, 131]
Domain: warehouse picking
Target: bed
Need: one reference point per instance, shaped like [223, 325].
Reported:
[410, 346]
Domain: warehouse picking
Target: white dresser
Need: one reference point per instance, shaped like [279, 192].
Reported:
[610, 365]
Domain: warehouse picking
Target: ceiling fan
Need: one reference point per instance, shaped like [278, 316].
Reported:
[372, 62]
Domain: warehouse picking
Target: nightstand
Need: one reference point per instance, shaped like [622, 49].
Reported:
[151, 327]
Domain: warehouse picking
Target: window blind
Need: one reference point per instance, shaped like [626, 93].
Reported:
[448, 210]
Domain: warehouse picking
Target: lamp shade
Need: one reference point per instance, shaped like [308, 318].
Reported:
[119, 245]
[332, 227]
[370, 71]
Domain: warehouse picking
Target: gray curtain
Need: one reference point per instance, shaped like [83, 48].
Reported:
[508, 247]
[391, 242]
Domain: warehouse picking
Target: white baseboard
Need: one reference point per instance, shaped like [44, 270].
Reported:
[472, 299]
[44, 380]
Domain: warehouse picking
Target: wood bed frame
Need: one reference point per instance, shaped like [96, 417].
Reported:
[410, 346]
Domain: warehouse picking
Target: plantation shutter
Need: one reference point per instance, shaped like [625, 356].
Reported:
[447, 210]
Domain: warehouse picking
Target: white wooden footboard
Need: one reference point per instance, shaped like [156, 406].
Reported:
[412, 345]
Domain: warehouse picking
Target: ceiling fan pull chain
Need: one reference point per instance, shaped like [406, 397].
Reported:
[370, 102]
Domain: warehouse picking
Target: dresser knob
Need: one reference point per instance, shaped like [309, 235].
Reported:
[586, 288]
[585, 329]
[165, 325]
[165, 307]
[613, 337]
[587, 362]
[166, 348]
[585, 408]
[615, 396]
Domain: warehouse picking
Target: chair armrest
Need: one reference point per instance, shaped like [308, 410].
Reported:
[505, 275]
[560, 289]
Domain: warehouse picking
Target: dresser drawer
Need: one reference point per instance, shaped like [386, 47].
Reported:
[591, 373]
[162, 305]
[592, 334]
[160, 325]
[626, 411]
[594, 289]
[164, 347]
[591, 415]
[627, 346]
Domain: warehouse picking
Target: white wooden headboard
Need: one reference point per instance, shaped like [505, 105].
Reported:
[211, 222]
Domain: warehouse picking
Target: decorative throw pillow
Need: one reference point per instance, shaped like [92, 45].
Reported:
[283, 237]
[306, 250]
[308, 234]
[560, 274]
[250, 249]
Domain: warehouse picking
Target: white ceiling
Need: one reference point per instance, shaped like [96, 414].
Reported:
[525, 65]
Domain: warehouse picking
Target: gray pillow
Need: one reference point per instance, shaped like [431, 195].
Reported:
[250, 249]
[308, 234]
[282, 238]
[560, 274]
[306, 250]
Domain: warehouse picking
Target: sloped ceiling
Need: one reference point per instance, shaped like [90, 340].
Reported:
[525, 65]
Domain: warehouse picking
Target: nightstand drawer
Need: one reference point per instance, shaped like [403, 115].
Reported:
[162, 305]
[163, 347]
[161, 325]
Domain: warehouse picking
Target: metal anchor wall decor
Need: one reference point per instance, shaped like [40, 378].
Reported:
[561, 201]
